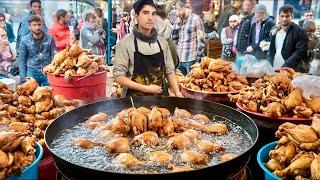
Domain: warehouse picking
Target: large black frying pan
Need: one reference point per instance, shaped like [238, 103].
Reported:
[111, 107]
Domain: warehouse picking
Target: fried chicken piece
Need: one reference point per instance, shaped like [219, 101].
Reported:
[28, 87]
[283, 154]
[100, 117]
[274, 109]
[44, 105]
[83, 60]
[155, 120]
[28, 144]
[85, 143]
[120, 126]
[23, 160]
[160, 157]
[118, 145]
[197, 73]
[59, 57]
[55, 112]
[180, 125]
[164, 112]
[302, 134]
[214, 76]
[81, 71]
[217, 128]
[41, 93]
[68, 74]
[26, 117]
[75, 50]
[193, 157]
[12, 110]
[42, 124]
[182, 113]
[228, 156]
[24, 101]
[20, 126]
[4, 160]
[179, 141]
[294, 99]
[174, 169]
[316, 123]
[314, 104]
[139, 122]
[218, 65]
[315, 168]
[168, 128]
[242, 79]
[299, 164]
[208, 147]
[252, 106]
[145, 111]
[274, 165]
[235, 86]
[106, 134]
[281, 80]
[128, 160]
[149, 138]
[304, 112]
[191, 134]
[204, 64]
[202, 118]
[28, 110]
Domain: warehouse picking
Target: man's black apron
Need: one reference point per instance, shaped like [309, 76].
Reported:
[148, 69]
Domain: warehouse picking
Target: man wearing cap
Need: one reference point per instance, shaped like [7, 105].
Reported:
[289, 43]
[259, 37]
[143, 63]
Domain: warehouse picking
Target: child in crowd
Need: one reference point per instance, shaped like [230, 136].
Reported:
[7, 53]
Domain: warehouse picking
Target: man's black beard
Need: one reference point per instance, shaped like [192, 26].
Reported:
[37, 33]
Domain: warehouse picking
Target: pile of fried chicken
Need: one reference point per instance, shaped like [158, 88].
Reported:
[31, 108]
[274, 96]
[17, 151]
[297, 152]
[143, 126]
[75, 61]
[213, 75]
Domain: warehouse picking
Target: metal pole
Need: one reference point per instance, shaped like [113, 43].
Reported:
[109, 10]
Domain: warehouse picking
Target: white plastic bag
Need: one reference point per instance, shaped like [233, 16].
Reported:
[247, 61]
[309, 84]
[253, 68]
[315, 67]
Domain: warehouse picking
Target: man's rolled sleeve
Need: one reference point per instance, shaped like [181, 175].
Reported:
[168, 60]
[121, 61]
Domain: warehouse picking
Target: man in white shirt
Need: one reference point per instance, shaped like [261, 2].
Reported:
[289, 43]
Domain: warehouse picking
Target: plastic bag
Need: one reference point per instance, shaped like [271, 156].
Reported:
[309, 84]
[235, 68]
[315, 67]
[253, 68]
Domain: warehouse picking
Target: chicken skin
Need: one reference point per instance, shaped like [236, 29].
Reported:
[24, 101]
[274, 109]
[314, 104]
[28, 87]
[145, 111]
[85, 143]
[192, 134]
[118, 145]
[119, 126]
[228, 157]
[44, 105]
[40, 93]
[10, 140]
[174, 169]
[182, 113]
[155, 120]
[315, 168]
[193, 157]
[139, 122]
[4, 160]
[160, 157]
[149, 138]
[20, 126]
[294, 99]
[179, 141]
[208, 147]
[274, 165]
[202, 118]
[217, 128]
[127, 160]
[283, 154]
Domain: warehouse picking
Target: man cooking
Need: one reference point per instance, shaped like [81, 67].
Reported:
[143, 63]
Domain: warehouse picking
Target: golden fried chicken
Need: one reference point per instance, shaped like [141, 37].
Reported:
[182, 113]
[174, 169]
[139, 122]
[204, 64]
[193, 157]
[43, 105]
[75, 50]
[214, 76]
[302, 134]
[59, 57]
[23, 160]
[4, 160]
[202, 118]
[155, 120]
[120, 126]
[28, 87]
[149, 138]
[242, 79]
[26, 117]
[164, 112]
[100, 117]
[197, 73]
[24, 101]
[314, 104]
[316, 123]
[20, 126]
[168, 128]
[217, 128]
[179, 141]
[128, 160]
[208, 147]
[191, 134]
[11, 109]
[299, 164]
[235, 86]
[28, 110]
[144, 110]
[228, 157]
[294, 99]
[303, 112]
[10, 140]
[118, 145]
[283, 154]
[274, 109]
[83, 60]
[274, 165]
[28, 144]
[40, 93]
[85, 143]
[281, 80]
[218, 65]
[160, 157]
[315, 168]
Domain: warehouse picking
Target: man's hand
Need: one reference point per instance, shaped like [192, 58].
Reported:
[153, 89]
[249, 49]
[179, 94]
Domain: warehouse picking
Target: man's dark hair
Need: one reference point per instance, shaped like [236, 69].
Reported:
[286, 9]
[61, 13]
[89, 15]
[98, 11]
[307, 11]
[2, 15]
[138, 5]
[34, 1]
[34, 19]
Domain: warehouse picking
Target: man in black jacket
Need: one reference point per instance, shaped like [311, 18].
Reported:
[289, 43]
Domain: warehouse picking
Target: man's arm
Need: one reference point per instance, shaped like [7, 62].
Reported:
[300, 52]
[22, 61]
[173, 82]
